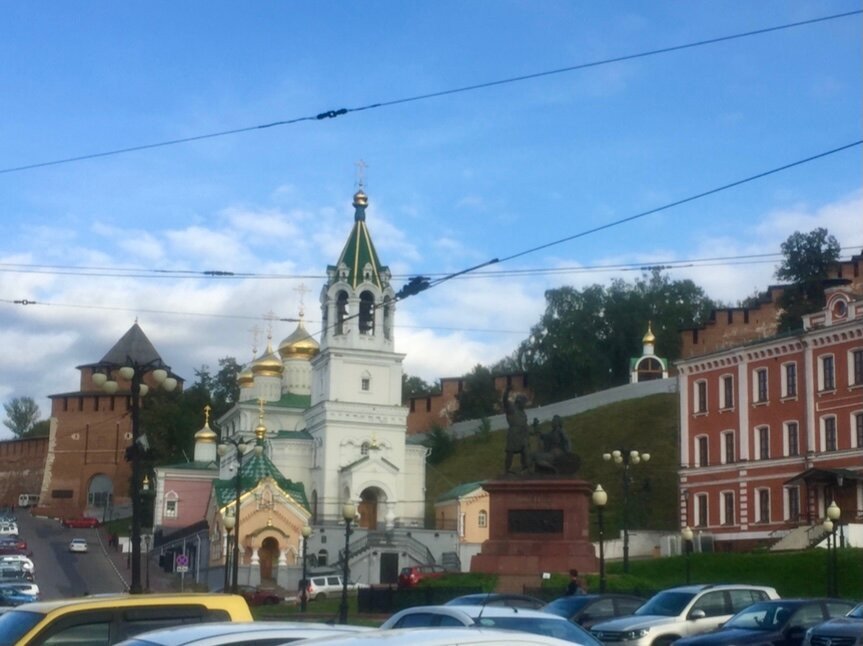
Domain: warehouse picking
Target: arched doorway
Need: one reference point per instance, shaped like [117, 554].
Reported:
[100, 495]
[268, 556]
[371, 500]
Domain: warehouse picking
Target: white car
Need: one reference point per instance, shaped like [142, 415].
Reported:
[227, 633]
[321, 587]
[17, 560]
[22, 586]
[443, 637]
[504, 617]
[8, 528]
[78, 545]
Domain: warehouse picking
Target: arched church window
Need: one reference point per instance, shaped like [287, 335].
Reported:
[341, 312]
[367, 313]
[323, 556]
[482, 519]
[172, 503]
[364, 449]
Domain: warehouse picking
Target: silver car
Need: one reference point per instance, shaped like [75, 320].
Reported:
[680, 612]
[263, 633]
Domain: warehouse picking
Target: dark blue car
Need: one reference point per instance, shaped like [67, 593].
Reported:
[781, 622]
[9, 596]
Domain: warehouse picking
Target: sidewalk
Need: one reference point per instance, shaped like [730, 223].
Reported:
[153, 577]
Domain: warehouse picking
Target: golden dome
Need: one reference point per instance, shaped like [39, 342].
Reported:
[268, 365]
[649, 338]
[206, 435]
[360, 198]
[299, 344]
[245, 378]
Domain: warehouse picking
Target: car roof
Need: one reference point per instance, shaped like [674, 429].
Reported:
[179, 635]
[112, 600]
[441, 637]
[474, 611]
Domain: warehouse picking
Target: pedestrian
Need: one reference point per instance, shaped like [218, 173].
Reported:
[575, 584]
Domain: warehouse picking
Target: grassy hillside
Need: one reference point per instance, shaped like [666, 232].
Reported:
[648, 424]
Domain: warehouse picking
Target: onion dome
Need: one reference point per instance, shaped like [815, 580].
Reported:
[268, 365]
[245, 378]
[649, 338]
[206, 435]
[299, 344]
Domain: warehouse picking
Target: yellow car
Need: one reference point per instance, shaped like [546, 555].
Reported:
[101, 620]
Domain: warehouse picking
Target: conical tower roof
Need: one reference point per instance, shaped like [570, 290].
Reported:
[359, 249]
[133, 345]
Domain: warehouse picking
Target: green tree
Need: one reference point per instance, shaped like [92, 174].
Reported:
[22, 413]
[807, 258]
[413, 386]
[478, 398]
[441, 443]
[42, 428]
[224, 390]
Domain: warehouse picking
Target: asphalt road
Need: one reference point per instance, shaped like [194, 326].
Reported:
[59, 573]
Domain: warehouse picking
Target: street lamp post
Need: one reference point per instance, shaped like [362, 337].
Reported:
[625, 459]
[830, 524]
[228, 520]
[147, 538]
[686, 535]
[600, 497]
[241, 446]
[304, 584]
[349, 512]
[140, 359]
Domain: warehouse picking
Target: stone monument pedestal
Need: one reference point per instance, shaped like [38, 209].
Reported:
[537, 525]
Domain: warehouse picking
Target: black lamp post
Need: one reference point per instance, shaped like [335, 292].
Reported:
[686, 535]
[599, 500]
[830, 524]
[241, 446]
[304, 584]
[228, 521]
[349, 512]
[625, 459]
[133, 357]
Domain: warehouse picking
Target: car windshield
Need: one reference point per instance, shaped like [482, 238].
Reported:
[548, 627]
[856, 613]
[16, 623]
[668, 604]
[762, 616]
[566, 606]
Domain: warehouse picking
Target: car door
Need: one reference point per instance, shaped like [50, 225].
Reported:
[600, 610]
[715, 608]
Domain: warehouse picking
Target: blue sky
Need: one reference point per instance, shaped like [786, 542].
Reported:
[452, 181]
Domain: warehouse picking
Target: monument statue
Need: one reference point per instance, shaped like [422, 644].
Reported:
[555, 454]
[517, 432]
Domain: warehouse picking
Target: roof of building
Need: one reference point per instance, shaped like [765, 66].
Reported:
[287, 400]
[133, 344]
[359, 249]
[460, 490]
[294, 435]
[254, 469]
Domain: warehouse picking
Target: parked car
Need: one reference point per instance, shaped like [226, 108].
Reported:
[80, 523]
[226, 633]
[782, 622]
[495, 599]
[444, 637]
[9, 528]
[15, 597]
[258, 596]
[589, 609]
[680, 612]
[521, 619]
[78, 545]
[844, 631]
[411, 576]
[17, 560]
[109, 619]
[14, 541]
[27, 587]
[321, 587]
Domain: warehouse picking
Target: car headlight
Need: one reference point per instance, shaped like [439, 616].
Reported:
[635, 634]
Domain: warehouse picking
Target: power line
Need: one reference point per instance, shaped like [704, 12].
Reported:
[331, 114]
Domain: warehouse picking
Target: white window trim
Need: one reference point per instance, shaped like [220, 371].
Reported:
[822, 429]
[757, 435]
[783, 375]
[482, 514]
[786, 447]
[755, 399]
[821, 386]
[757, 506]
[724, 404]
[723, 452]
[852, 424]
[786, 501]
[698, 461]
[723, 520]
[695, 389]
[696, 511]
[850, 367]
[172, 496]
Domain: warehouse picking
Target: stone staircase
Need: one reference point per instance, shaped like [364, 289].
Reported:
[799, 538]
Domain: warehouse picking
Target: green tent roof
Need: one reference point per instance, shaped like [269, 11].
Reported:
[254, 469]
[359, 248]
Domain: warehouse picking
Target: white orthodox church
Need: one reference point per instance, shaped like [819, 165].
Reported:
[328, 427]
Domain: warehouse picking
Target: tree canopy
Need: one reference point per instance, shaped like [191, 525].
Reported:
[478, 398]
[585, 338]
[22, 417]
[807, 258]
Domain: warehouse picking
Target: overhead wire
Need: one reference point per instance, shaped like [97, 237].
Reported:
[331, 114]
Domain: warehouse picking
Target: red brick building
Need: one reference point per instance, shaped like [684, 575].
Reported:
[772, 430]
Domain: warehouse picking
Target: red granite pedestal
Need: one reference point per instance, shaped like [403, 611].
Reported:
[537, 525]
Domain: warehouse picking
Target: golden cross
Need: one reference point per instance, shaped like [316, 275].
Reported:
[270, 317]
[361, 174]
[301, 289]
[207, 410]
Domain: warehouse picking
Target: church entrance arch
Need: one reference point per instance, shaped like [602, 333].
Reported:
[268, 556]
[100, 494]
[370, 501]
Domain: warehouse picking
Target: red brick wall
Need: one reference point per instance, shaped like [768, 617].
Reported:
[22, 463]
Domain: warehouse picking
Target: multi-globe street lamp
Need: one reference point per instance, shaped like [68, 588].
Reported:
[625, 459]
[349, 513]
[830, 524]
[228, 520]
[241, 447]
[304, 584]
[600, 498]
[686, 535]
[133, 358]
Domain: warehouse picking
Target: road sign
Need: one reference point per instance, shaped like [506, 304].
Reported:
[181, 563]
